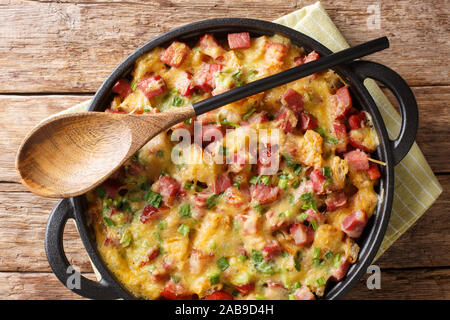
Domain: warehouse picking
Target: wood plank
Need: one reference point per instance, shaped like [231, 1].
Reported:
[72, 47]
[427, 284]
[395, 284]
[433, 135]
[23, 218]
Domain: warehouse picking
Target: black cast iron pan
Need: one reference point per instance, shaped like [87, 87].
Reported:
[389, 151]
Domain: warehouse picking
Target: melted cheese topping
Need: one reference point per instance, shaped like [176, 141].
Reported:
[191, 249]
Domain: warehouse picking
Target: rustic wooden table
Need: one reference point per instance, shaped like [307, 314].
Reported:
[56, 54]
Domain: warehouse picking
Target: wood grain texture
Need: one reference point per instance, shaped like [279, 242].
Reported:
[395, 284]
[23, 218]
[72, 47]
[433, 135]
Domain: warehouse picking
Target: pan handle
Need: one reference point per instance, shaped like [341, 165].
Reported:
[405, 97]
[58, 261]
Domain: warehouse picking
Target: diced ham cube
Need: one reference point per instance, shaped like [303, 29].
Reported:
[112, 188]
[246, 289]
[294, 100]
[373, 172]
[353, 225]
[122, 88]
[168, 188]
[204, 79]
[237, 198]
[219, 295]
[271, 250]
[357, 160]
[222, 183]
[298, 61]
[198, 261]
[153, 253]
[311, 57]
[305, 186]
[175, 54]
[316, 216]
[307, 122]
[286, 120]
[339, 273]
[357, 121]
[151, 213]
[185, 84]
[341, 103]
[239, 40]
[211, 47]
[249, 223]
[174, 290]
[265, 194]
[135, 168]
[275, 52]
[340, 131]
[268, 160]
[318, 181]
[303, 293]
[210, 133]
[336, 201]
[152, 86]
[301, 234]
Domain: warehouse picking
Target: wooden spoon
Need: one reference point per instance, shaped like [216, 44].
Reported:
[70, 154]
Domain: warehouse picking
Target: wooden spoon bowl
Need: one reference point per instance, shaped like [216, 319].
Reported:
[69, 154]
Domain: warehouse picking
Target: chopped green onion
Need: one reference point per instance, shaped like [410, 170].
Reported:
[184, 229]
[188, 121]
[237, 184]
[242, 258]
[337, 260]
[303, 216]
[314, 224]
[162, 225]
[158, 237]
[297, 169]
[257, 256]
[109, 221]
[153, 198]
[184, 211]
[188, 186]
[321, 281]
[160, 153]
[175, 278]
[296, 184]
[248, 114]
[223, 264]
[126, 239]
[260, 297]
[328, 255]
[292, 297]
[212, 201]
[214, 279]
[260, 208]
[225, 122]
[177, 101]
[316, 254]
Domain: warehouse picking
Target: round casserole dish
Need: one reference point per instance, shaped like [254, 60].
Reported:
[353, 74]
